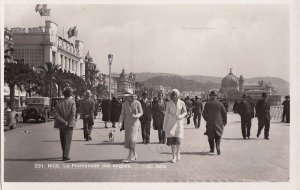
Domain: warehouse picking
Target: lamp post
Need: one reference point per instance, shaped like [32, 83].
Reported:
[110, 59]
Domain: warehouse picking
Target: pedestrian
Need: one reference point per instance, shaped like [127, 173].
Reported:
[262, 109]
[158, 114]
[105, 107]
[197, 111]
[215, 115]
[189, 108]
[252, 104]
[65, 121]
[174, 123]
[286, 110]
[246, 112]
[115, 111]
[235, 106]
[130, 114]
[146, 117]
[87, 107]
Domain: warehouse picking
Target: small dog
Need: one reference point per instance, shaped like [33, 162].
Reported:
[111, 136]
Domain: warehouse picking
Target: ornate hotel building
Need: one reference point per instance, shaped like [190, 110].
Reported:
[37, 45]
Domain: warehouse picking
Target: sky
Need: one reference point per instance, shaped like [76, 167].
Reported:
[182, 39]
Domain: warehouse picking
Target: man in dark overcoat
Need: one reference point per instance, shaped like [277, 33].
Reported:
[197, 110]
[158, 114]
[246, 113]
[115, 111]
[146, 118]
[215, 115]
[87, 107]
[286, 110]
[189, 108]
[262, 109]
[105, 108]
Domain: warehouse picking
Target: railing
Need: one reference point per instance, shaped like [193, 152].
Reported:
[276, 112]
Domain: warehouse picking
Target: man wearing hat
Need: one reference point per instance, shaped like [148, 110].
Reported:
[87, 107]
[215, 115]
[286, 110]
[262, 109]
[197, 110]
[246, 113]
[146, 117]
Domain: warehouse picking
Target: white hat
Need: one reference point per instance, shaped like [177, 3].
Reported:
[176, 91]
[88, 92]
[129, 92]
[8, 109]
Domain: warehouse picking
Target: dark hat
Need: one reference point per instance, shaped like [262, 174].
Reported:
[287, 97]
[145, 92]
[213, 93]
[264, 94]
[244, 96]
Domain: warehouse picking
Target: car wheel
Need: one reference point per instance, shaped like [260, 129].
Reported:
[45, 118]
[14, 124]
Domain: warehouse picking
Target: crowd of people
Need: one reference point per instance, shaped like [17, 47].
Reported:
[167, 115]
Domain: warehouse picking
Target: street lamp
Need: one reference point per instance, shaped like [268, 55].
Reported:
[110, 59]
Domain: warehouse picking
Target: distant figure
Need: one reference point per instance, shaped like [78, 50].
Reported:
[235, 106]
[105, 107]
[252, 104]
[189, 108]
[215, 115]
[115, 111]
[262, 109]
[146, 117]
[158, 114]
[224, 101]
[246, 112]
[87, 107]
[286, 110]
[174, 123]
[130, 114]
[197, 111]
[65, 121]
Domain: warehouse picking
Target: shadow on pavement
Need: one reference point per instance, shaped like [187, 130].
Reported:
[194, 153]
[108, 143]
[33, 159]
[59, 141]
[240, 139]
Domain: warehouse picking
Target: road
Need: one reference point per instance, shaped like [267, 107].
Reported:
[33, 154]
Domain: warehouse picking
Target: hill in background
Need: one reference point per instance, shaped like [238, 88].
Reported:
[204, 83]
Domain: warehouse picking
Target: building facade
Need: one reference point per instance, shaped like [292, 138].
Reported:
[37, 45]
[232, 88]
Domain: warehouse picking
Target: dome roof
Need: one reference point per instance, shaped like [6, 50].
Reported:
[230, 80]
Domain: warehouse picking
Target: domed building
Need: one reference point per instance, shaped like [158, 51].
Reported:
[230, 83]
[232, 88]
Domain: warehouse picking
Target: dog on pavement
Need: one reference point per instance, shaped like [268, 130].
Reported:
[111, 136]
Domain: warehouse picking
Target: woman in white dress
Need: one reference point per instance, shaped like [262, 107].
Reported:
[174, 123]
[130, 114]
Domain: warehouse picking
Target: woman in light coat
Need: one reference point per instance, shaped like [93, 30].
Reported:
[174, 123]
[130, 114]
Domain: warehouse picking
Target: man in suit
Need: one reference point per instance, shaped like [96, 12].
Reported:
[246, 113]
[87, 107]
[263, 115]
[65, 121]
[197, 109]
[146, 117]
[286, 110]
[158, 113]
[214, 114]
[189, 108]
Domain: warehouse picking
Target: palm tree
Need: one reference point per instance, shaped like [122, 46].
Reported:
[49, 71]
[92, 78]
[15, 74]
[60, 79]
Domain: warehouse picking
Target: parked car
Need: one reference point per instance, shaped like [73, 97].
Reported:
[37, 108]
[10, 118]
[19, 110]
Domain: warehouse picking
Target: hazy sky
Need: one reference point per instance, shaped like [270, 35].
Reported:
[181, 39]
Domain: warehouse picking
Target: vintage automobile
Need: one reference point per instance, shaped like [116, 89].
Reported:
[37, 108]
[10, 118]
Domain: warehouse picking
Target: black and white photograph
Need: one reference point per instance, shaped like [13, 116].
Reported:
[179, 94]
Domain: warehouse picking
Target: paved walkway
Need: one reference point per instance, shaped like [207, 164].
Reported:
[33, 154]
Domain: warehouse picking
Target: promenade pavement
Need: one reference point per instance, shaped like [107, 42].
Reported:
[32, 153]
